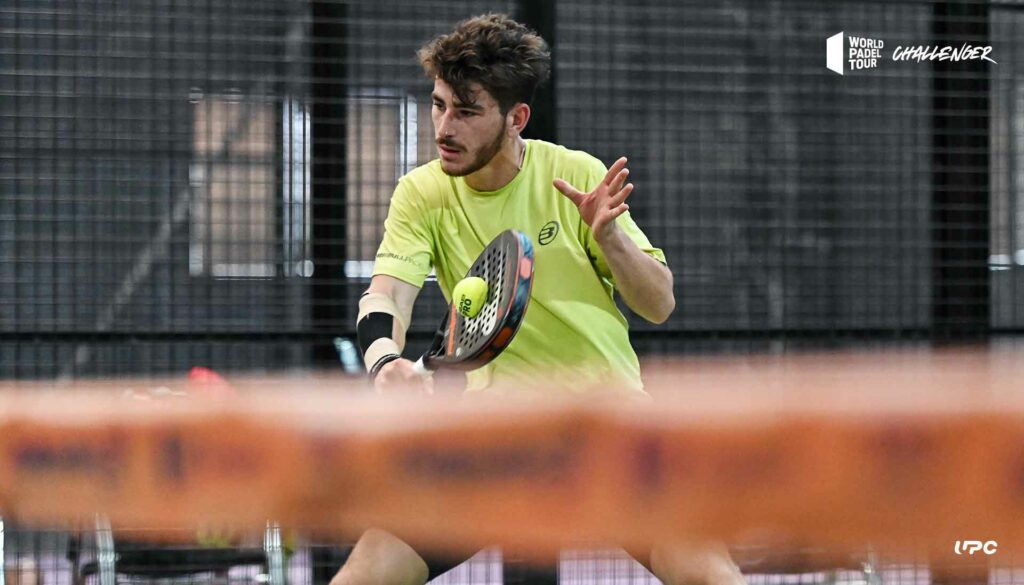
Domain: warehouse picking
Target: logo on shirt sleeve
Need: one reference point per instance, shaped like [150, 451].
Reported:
[399, 257]
[547, 233]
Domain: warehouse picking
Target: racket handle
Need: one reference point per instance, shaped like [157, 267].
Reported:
[421, 368]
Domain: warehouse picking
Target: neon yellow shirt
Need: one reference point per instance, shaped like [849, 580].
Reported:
[573, 337]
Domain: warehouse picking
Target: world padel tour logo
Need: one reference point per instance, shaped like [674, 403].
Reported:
[864, 53]
[844, 52]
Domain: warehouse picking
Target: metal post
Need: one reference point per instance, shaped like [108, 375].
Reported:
[961, 199]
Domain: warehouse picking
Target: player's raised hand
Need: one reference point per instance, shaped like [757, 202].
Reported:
[600, 207]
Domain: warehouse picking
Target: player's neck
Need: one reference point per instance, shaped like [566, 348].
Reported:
[501, 169]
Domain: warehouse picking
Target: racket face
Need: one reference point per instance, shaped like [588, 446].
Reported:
[506, 265]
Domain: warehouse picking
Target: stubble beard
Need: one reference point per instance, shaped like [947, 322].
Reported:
[484, 156]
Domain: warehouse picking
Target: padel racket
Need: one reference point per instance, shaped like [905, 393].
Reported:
[506, 265]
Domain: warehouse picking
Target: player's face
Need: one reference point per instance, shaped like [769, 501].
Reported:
[468, 135]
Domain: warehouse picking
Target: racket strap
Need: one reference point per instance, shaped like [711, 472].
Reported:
[436, 344]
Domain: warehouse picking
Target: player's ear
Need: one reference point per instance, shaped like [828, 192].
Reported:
[518, 116]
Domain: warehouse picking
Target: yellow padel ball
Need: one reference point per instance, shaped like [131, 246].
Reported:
[469, 296]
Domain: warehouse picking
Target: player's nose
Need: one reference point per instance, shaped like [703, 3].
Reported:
[444, 128]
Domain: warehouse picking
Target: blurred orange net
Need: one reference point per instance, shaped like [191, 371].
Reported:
[899, 449]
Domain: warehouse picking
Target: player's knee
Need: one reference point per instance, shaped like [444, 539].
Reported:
[380, 558]
[705, 564]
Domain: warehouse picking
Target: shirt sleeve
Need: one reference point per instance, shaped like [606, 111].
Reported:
[406, 251]
[625, 221]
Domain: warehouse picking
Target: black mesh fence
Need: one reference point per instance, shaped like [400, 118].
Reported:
[200, 182]
[110, 557]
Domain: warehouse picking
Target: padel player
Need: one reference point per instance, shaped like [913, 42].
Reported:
[489, 179]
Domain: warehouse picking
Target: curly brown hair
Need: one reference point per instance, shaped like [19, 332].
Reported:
[506, 58]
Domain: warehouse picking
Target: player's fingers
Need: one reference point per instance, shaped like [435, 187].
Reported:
[404, 371]
[413, 381]
[569, 191]
[621, 196]
[619, 181]
[617, 211]
[614, 170]
[381, 385]
[390, 370]
[385, 382]
[395, 377]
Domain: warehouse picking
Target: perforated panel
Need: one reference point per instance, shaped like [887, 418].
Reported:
[494, 270]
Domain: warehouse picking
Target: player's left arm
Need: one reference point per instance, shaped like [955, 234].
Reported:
[644, 283]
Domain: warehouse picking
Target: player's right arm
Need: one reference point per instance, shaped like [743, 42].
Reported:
[385, 311]
[401, 265]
